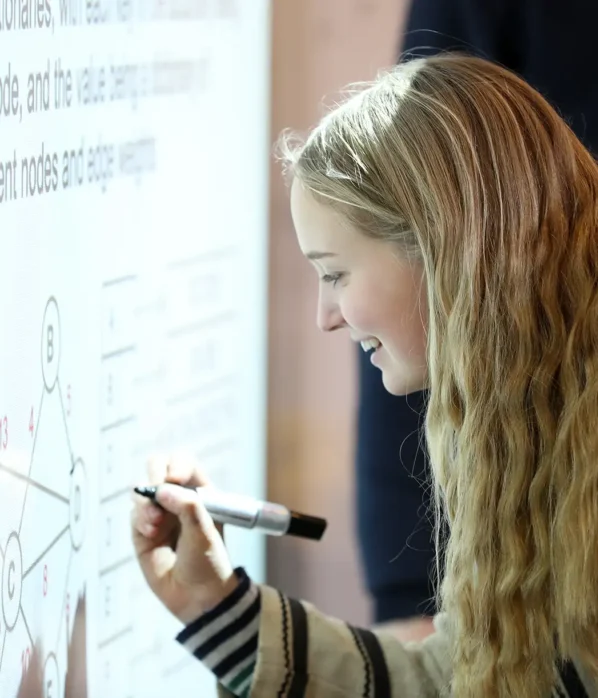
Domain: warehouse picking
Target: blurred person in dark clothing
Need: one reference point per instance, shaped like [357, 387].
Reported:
[551, 45]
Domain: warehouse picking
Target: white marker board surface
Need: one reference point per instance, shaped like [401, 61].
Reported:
[133, 213]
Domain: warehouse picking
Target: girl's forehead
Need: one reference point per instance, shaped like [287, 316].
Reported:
[321, 228]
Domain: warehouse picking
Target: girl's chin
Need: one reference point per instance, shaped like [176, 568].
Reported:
[398, 383]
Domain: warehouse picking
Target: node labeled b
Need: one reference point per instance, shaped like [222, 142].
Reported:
[51, 344]
[12, 581]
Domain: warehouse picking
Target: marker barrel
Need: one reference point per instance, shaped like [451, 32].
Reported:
[245, 512]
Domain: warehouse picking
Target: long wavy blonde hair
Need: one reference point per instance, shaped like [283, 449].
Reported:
[462, 164]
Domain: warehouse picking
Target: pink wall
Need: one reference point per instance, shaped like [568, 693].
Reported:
[318, 47]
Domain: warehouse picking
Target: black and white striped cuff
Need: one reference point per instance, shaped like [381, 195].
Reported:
[225, 639]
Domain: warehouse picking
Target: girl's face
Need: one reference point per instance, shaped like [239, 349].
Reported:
[366, 288]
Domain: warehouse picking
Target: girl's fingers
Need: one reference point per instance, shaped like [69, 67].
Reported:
[180, 468]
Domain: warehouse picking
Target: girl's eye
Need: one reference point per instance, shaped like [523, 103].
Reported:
[332, 278]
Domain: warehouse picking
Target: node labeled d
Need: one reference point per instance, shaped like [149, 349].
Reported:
[12, 581]
[77, 504]
[51, 344]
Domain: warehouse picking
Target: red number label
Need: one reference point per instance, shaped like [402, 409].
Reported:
[31, 423]
[4, 432]
[45, 580]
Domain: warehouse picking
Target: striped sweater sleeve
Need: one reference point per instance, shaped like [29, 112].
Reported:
[260, 643]
[303, 653]
[225, 639]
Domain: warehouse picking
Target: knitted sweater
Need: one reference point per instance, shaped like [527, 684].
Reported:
[261, 644]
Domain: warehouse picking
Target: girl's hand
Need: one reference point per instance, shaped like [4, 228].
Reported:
[180, 549]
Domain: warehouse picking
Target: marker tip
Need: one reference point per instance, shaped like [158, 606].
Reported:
[148, 492]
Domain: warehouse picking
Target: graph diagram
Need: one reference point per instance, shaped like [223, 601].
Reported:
[42, 531]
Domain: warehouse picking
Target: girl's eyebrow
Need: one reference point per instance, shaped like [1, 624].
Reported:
[319, 255]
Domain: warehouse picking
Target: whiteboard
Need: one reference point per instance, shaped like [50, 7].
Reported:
[133, 265]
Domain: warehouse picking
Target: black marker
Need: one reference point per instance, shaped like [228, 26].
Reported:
[246, 512]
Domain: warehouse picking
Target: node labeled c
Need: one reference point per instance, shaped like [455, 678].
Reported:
[12, 581]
